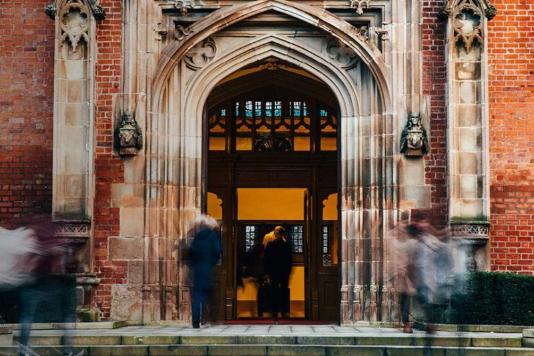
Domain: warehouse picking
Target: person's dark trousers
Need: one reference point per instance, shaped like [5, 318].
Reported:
[30, 295]
[405, 308]
[198, 298]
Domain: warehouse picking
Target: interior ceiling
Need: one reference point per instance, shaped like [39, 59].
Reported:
[268, 73]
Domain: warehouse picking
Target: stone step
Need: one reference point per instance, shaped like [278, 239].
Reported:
[404, 340]
[273, 350]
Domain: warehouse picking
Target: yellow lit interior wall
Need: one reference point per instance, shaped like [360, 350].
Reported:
[330, 214]
[270, 204]
[215, 206]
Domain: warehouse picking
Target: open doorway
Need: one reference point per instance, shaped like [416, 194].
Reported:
[272, 160]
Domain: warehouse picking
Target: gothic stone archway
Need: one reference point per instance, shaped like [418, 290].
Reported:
[350, 67]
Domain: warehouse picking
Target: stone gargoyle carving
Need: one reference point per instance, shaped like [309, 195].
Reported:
[128, 136]
[414, 141]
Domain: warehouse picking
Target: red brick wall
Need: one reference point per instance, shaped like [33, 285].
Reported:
[511, 98]
[26, 109]
[108, 168]
[434, 88]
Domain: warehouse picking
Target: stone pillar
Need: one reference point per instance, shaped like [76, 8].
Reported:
[468, 123]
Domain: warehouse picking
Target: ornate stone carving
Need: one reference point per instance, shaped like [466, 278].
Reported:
[414, 141]
[359, 5]
[467, 20]
[74, 23]
[201, 54]
[363, 33]
[470, 230]
[341, 53]
[491, 11]
[181, 32]
[128, 136]
[73, 229]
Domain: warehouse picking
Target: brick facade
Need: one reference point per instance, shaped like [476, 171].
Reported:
[26, 109]
[511, 97]
[108, 167]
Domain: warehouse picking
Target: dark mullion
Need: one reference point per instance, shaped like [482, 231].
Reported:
[254, 138]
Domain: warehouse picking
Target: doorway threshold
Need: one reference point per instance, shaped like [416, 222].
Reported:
[271, 321]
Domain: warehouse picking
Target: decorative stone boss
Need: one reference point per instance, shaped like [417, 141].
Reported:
[414, 141]
[128, 136]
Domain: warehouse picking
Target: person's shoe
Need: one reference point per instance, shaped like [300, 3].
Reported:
[196, 325]
[407, 329]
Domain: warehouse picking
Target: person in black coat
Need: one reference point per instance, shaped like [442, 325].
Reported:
[278, 263]
[203, 254]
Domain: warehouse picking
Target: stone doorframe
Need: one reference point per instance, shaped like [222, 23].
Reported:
[165, 87]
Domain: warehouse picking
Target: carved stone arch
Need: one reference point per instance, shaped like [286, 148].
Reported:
[323, 19]
[174, 146]
[335, 78]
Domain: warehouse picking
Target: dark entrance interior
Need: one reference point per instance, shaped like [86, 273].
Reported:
[272, 160]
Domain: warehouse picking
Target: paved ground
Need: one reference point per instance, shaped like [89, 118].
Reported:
[267, 330]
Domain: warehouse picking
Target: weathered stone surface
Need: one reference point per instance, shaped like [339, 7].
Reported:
[126, 302]
[125, 248]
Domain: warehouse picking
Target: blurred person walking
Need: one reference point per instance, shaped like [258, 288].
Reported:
[50, 282]
[203, 254]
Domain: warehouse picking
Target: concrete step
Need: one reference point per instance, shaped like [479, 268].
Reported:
[274, 350]
[404, 340]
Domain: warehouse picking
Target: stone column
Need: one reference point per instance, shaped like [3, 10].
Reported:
[468, 130]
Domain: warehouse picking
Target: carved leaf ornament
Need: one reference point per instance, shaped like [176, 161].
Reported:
[74, 23]
[467, 20]
[201, 54]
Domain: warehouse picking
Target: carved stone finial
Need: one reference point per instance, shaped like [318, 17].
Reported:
[128, 136]
[98, 11]
[359, 5]
[414, 141]
[491, 11]
[51, 10]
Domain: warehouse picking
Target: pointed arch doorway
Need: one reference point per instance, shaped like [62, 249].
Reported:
[272, 159]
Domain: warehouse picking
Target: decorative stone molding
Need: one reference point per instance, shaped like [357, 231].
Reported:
[467, 25]
[359, 5]
[201, 54]
[74, 229]
[414, 141]
[470, 230]
[363, 33]
[74, 23]
[128, 136]
[341, 54]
